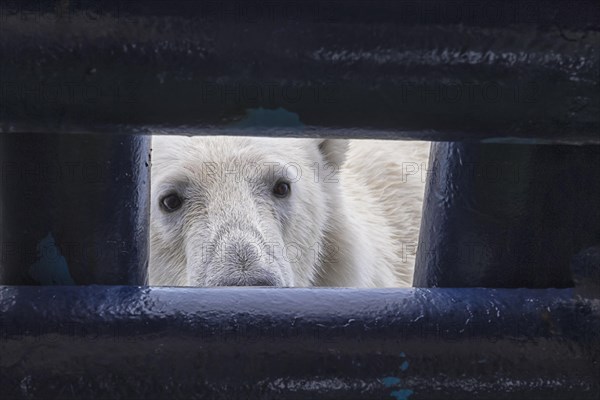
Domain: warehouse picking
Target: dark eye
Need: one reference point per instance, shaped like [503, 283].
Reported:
[171, 202]
[282, 189]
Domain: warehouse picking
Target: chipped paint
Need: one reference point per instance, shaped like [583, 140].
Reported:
[51, 267]
[395, 382]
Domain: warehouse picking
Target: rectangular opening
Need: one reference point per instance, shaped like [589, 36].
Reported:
[290, 212]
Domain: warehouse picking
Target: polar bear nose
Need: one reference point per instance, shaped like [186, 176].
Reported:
[257, 278]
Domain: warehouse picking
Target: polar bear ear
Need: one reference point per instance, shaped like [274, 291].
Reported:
[334, 150]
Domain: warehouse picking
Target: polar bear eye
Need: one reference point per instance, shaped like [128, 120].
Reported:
[171, 202]
[282, 189]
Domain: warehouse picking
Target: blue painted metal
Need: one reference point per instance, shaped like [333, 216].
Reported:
[137, 342]
[74, 209]
[438, 69]
[506, 215]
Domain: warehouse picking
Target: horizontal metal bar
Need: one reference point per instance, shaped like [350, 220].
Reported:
[139, 342]
[433, 70]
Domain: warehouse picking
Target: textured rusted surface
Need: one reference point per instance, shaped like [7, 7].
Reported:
[130, 342]
[442, 70]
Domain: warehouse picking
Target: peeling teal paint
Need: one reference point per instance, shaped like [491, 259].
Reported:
[404, 366]
[394, 382]
[391, 381]
[401, 394]
[51, 267]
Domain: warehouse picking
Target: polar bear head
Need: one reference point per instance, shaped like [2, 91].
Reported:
[242, 211]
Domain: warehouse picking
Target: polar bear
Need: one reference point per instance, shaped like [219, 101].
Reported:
[253, 211]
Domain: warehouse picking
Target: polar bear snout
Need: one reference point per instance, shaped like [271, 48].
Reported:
[239, 258]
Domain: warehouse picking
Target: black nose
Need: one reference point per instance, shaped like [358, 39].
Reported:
[262, 278]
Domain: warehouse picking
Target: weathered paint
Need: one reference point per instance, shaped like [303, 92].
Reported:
[51, 266]
[509, 215]
[91, 192]
[136, 342]
[433, 70]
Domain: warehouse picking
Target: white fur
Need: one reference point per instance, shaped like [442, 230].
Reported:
[352, 218]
